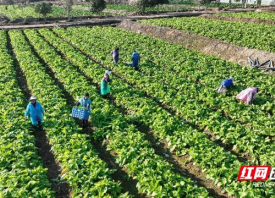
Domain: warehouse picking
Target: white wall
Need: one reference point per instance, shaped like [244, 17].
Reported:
[239, 2]
[268, 2]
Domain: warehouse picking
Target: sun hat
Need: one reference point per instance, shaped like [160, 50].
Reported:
[33, 98]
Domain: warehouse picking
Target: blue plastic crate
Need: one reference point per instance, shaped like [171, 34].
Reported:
[81, 114]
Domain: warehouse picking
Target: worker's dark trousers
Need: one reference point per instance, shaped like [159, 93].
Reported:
[84, 123]
[38, 126]
[106, 96]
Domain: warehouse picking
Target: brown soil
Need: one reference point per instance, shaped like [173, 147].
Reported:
[60, 187]
[127, 183]
[246, 20]
[203, 44]
[266, 9]
[3, 19]
[91, 22]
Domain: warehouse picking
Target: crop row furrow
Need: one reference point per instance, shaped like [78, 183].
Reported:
[58, 185]
[19, 177]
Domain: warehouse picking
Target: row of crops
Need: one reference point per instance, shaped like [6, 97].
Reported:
[19, 11]
[17, 144]
[253, 15]
[15, 11]
[257, 36]
[170, 77]
[173, 7]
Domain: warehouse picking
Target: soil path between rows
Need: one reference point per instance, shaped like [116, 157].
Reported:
[44, 149]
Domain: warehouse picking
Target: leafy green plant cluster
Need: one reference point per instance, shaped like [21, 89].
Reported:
[254, 15]
[93, 39]
[84, 171]
[21, 170]
[97, 5]
[168, 7]
[133, 8]
[43, 8]
[154, 175]
[258, 36]
[13, 12]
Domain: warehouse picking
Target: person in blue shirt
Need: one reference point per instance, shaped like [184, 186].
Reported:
[135, 60]
[86, 103]
[35, 112]
[226, 84]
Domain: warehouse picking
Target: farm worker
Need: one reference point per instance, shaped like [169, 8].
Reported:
[35, 111]
[104, 88]
[115, 54]
[86, 103]
[248, 95]
[226, 84]
[135, 59]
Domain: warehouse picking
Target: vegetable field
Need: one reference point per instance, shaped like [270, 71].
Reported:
[15, 12]
[170, 102]
[132, 8]
[256, 36]
[253, 15]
